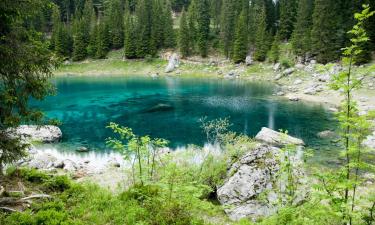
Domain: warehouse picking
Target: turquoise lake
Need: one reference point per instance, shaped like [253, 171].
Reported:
[170, 108]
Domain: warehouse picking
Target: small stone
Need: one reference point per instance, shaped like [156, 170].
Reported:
[277, 67]
[82, 149]
[297, 82]
[293, 98]
[248, 60]
[288, 71]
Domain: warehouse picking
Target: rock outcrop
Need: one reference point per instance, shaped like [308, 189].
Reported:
[255, 184]
[277, 139]
[173, 63]
[44, 134]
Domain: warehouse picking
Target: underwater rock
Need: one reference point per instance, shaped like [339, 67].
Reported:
[327, 134]
[82, 149]
[159, 108]
[275, 138]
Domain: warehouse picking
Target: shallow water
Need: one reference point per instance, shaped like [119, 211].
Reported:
[170, 108]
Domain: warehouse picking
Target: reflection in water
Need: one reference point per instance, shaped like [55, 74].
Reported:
[271, 117]
[85, 106]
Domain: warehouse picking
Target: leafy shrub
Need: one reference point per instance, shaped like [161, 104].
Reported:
[33, 175]
[58, 183]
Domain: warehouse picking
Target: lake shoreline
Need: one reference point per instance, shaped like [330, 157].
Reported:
[221, 68]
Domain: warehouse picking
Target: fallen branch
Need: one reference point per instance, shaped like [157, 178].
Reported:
[36, 196]
[2, 190]
[7, 209]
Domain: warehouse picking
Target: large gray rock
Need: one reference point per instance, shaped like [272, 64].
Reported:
[255, 184]
[275, 138]
[45, 134]
[288, 71]
[43, 161]
[248, 60]
[173, 63]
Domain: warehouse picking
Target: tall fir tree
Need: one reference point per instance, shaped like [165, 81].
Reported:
[227, 25]
[103, 41]
[158, 23]
[326, 34]
[169, 34]
[301, 37]
[89, 19]
[274, 53]
[130, 43]
[240, 48]
[192, 18]
[92, 46]
[184, 36]
[114, 20]
[79, 42]
[261, 38]
[146, 42]
[203, 26]
[288, 12]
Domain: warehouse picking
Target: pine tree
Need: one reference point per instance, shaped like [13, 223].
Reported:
[146, 43]
[130, 43]
[88, 19]
[114, 21]
[228, 21]
[192, 18]
[301, 37]
[169, 35]
[92, 48]
[288, 12]
[79, 43]
[261, 38]
[102, 41]
[370, 26]
[274, 53]
[203, 26]
[240, 41]
[326, 36]
[158, 24]
[184, 35]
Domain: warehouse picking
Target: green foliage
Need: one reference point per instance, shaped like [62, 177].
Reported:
[141, 150]
[240, 47]
[261, 38]
[340, 188]
[301, 37]
[184, 36]
[33, 175]
[288, 12]
[228, 21]
[274, 53]
[130, 45]
[326, 37]
[58, 183]
[79, 41]
[203, 26]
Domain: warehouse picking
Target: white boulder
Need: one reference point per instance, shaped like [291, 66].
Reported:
[275, 138]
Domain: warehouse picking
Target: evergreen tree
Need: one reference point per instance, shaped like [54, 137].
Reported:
[370, 26]
[326, 36]
[274, 53]
[261, 38]
[115, 23]
[169, 34]
[102, 41]
[192, 18]
[240, 42]
[130, 43]
[288, 12]
[228, 21]
[158, 24]
[92, 48]
[184, 36]
[88, 20]
[79, 43]
[146, 43]
[301, 37]
[203, 26]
